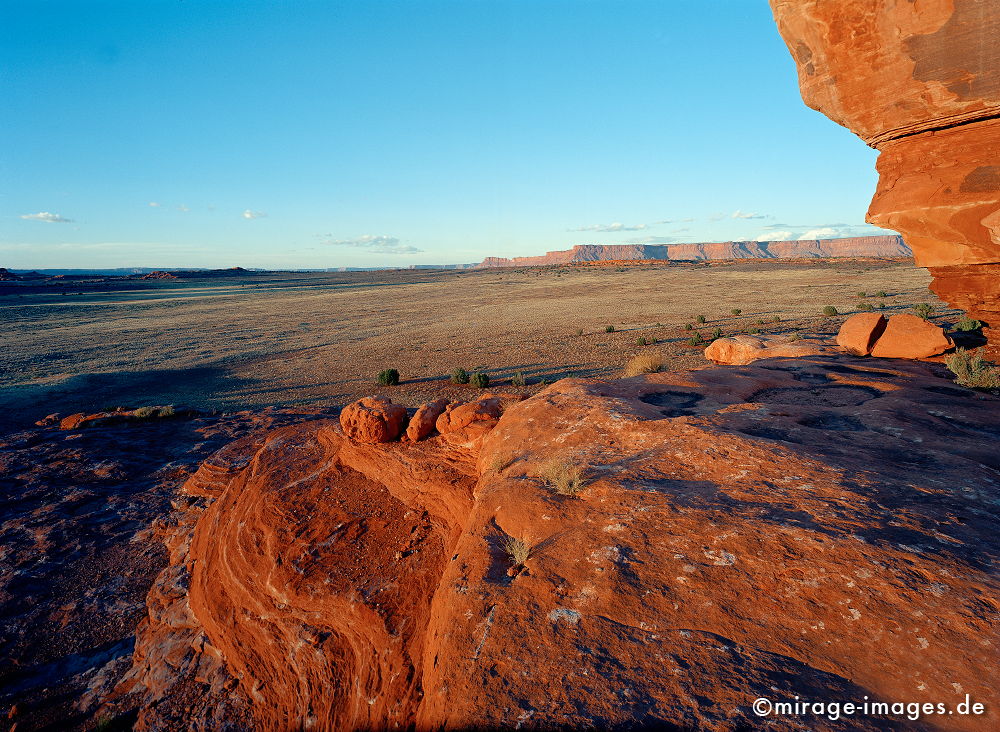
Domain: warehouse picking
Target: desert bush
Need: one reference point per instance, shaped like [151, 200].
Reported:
[716, 333]
[564, 477]
[862, 294]
[881, 305]
[689, 326]
[609, 329]
[145, 412]
[776, 319]
[753, 331]
[498, 463]
[695, 340]
[967, 324]
[972, 370]
[644, 363]
[518, 379]
[795, 337]
[865, 306]
[459, 376]
[579, 331]
[736, 311]
[641, 341]
[480, 380]
[701, 318]
[388, 377]
[517, 550]
[829, 311]
[881, 293]
[761, 322]
[167, 411]
[923, 310]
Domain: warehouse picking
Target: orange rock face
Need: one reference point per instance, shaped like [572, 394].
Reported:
[907, 336]
[373, 420]
[741, 350]
[422, 423]
[769, 530]
[920, 81]
[859, 332]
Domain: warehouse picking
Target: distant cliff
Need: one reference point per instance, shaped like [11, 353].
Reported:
[859, 246]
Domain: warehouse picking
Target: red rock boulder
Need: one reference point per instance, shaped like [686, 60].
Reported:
[422, 423]
[907, 336]
[743, 349]
[486, 408]
[859, 332]
[373, 420]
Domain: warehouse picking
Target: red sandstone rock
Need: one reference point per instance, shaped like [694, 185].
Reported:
[861, 246]
[48, 421]
[486, 408]
[743, 535]
[743, 349]
[859, 332]
[920, 81]
[72, 422]
[373, 420]
[422, 423]
[907, 336]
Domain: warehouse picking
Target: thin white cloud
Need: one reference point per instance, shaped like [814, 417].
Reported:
[824, 232]
[737, 214]
[46, 217]
[375, 244]
[154, 204]
[653, 240]
[183, 209]
[775, 236]
[248, 214]
[611, 228]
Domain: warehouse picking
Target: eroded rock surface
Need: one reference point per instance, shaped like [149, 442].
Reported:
[821, 527]
[920, 81]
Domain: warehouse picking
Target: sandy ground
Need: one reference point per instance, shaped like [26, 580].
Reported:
[318, 340]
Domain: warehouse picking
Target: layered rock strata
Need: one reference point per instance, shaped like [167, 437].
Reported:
[919, 81]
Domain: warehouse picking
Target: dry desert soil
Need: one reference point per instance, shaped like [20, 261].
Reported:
[317, 340]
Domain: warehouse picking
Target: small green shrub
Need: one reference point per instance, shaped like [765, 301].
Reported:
[518, 379]
[830, 311]
[862, 294]
[145, 412]
[795, 337]
[716, 333]
[865, 306]
[881, 293]
[459, 376]
[881, 305]
[167, 411]
[609, 329]
[388, 377]
[641, 341]
[517, 550]
[701, 318]
[689, 326]
[753, 331]
[480, 380]
[761, 322]
[695, 340]
[923, 310]
[736, 311]
[968, 324]
[776, 319]
[972, 371]
[579, 331]
[564, 477]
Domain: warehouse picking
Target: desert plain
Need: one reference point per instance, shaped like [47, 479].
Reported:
[230, 342]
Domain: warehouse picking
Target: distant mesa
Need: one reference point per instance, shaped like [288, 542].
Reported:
[7, 276]
[159, 275]
[889, 246]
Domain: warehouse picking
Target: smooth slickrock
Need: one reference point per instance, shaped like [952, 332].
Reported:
[487, 408]
[769, 530]
[422, 422]
[919, 81]
[743, 349]
[373, 420]
[907, 336]
[859, 332]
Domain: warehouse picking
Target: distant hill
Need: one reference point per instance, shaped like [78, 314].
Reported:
[889, 246]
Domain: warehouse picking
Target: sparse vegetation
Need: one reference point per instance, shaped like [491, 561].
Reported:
[776, 319]
[564, 477]
[967, 324]
[923, 310]
[145, 412]
[716, 333]
[641, 341]
[689, 326]
[498, 463]
[644, 363]
[865, 306]
[972, 370]
[795, 337]
[736, 311]
[388, 377]
[701, 318]
[609, 329]
[518, 379]
[881, 293]
[479, 380]
[753, 331]
[517, 550]
[459, 376]
[829, 311]
[167, 411]
[695, 340]
[579, 331]
[862, 294]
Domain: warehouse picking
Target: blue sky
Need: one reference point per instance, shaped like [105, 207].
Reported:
[363, 133]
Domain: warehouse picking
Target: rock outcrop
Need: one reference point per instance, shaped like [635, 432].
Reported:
[373, 420]
[859, 332]
[762, 531]
[919, 81]
[861, 246]
[741, 350]
[907, 336]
